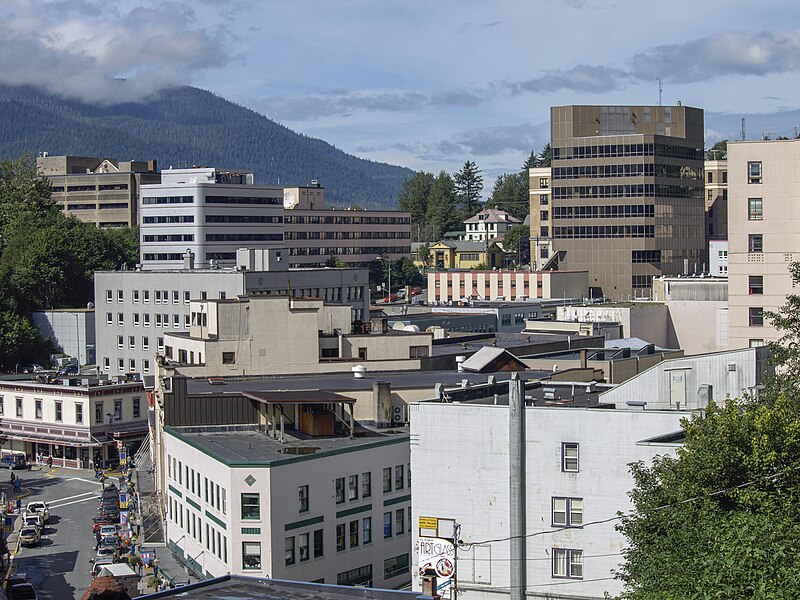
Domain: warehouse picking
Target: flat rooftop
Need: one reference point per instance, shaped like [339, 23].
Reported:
[509, 341]
[238, 587]
[244, 445]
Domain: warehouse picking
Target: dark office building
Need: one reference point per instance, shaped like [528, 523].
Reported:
[627, 195]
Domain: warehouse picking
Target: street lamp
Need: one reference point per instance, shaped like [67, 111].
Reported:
[389, 261]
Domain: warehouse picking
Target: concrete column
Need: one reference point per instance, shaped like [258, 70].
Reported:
[516, 477]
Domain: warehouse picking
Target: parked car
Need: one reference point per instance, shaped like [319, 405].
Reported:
[32, 368]
[22, 591]
[108, 531]
[15, 578]
[33, 520]
[391, 298]
[107, 551]
[13, 461]
[99, 522]
[30, 536]
[70, 370]
[98, 564]
[40, 507]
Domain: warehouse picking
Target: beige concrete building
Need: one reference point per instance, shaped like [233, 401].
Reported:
[314, 233]
[103, 191]
[626, 198]
[445, 286]
[541, 240]
[716, 181]
[279, 335]
[763, 234]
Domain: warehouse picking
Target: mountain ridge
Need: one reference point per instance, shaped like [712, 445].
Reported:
[188, 124]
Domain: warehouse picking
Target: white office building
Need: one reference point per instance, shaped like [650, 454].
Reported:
[210, 213]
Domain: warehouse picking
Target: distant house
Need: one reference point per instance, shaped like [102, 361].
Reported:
[488, 225]
[466, 255]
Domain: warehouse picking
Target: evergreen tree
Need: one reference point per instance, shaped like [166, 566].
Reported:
[468, 187]
[510, 193]
[442, 215]
[413, 198]
[531, 162]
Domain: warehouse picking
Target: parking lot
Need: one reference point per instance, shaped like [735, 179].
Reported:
[59, 568]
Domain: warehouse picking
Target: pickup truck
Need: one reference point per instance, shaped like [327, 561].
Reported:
[39, 507]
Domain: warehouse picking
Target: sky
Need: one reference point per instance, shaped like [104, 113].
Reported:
[427, 84]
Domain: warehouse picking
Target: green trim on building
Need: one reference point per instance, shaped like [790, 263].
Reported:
[216, 520]
[191, 502]
[303, 523]
[175, 491]
[395, 439]
[175, 549]
[398, 500]
[251, 530]
[353, 511]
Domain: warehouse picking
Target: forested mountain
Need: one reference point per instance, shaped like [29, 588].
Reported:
[191, 125]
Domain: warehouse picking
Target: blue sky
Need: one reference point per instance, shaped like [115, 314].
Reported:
[426, 84]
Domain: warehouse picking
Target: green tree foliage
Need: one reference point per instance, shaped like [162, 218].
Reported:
[543, 159]
[441, 215]
[518, 240]
[721, 519]
[424, 254]
[786, 351]
[719, 151]
[23, 192]
[468, 187]
[510, 193]
[20, 342]
[189, 124]
[413, 198]
[334, 263]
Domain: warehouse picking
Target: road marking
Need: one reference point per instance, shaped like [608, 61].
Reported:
[84, 480]
[69, 497]
[74, 502]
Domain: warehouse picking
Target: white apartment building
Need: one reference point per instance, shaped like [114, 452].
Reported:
[135, 309]
[541, 231]
[763, 234]
[77, 421]
[209, 212]
[488, 224]
[326, 509]
[718, 258]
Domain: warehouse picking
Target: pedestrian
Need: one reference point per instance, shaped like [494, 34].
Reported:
[49, 462]
[13, 477]
[18, 485]
[28, 460]
[19, 505]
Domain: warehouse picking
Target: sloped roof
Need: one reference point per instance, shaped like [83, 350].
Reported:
[493, 215]
[487, 358]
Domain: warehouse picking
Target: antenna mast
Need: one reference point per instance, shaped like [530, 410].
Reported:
[744, 134]
[660, 88]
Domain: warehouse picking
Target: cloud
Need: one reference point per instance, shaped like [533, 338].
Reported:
[582, 78]
[342, 103]
[94, 52]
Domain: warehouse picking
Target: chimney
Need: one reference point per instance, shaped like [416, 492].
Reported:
[429, 586]
[188, 259]
[584, 354]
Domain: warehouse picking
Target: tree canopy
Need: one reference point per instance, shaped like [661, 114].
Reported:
[468, 187]
[721, 518]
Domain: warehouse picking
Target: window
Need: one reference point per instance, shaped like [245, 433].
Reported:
[569, 457]
[186, 297]
[109, 296]
[118, 409]
[136, 296]
[120, 319]
[387, 525]
[395, 566]
[354, 533]
[303, 547]
[136, 408]
[120, 342]
[567, 512]
[135, 319]
[146, 295]
[366, 530]
[544, 183]
[361, 576]
[59, 417]
[754, 171]
[387, 480]
[145, 343]
[755, 243]
[756, 315]
[756, 343]
[318, 543]
[400, 521]
[120, 296]
[366, 484]
[19, 409]
[251, 507]
[251, 556]
[339, 490]
[146, 319]
[723, 255]
[229, 358]
[158, 319]
[132, 342]
[544, 215]
[710, 177]
[79, 414]
[121, 365]
[568, 563]
[755, 284]
[399, 477]
[289, 550]
[340, 537]
[544, 200]
[160, 343]
[755, 209]
[302, 495]
[38, 406]
[176, 298]
[352, 487]
[109, 319]
[176, 321]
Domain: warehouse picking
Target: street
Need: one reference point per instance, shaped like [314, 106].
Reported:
[59, 568]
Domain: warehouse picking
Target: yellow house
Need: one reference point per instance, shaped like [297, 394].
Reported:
[466, 255]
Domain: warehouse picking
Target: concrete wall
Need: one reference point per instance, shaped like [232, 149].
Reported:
[731, 373]
[445, 486]
[444, 286]
[72, 330]
[646, 320]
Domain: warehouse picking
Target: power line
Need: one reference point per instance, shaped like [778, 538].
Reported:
[773, 476]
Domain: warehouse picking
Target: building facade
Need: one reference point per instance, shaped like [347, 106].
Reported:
[716, 183]
[103, 191]
[626, 199]
[134, 309]
[76, 421]
[329, 510]
[541, 232]
[763, 235]
[72, 330]
[718, 258]
[210, 213]
[488, 224]
[453, 286]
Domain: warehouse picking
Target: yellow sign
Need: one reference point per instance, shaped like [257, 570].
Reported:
[428, 523]
[123, 505]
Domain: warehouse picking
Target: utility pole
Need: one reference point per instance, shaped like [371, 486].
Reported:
[660, 88]
[517, 484]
